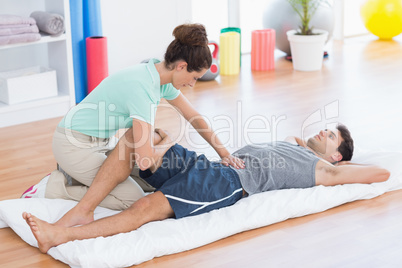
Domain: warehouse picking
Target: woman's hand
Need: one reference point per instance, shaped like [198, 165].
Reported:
[233, 161]
[163, 134]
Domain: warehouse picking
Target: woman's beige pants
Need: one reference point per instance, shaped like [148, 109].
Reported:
[81, 156]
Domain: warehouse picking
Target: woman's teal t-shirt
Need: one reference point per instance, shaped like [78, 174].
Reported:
[134, 92]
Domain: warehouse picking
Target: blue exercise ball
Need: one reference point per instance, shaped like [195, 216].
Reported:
[279, 15]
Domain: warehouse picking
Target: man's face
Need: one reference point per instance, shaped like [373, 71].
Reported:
[326, 144]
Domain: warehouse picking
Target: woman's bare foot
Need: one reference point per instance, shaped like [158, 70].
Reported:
[75, 216]
[45, 233]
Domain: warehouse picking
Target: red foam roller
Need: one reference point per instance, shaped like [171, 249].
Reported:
[97, 61]
[262, 50]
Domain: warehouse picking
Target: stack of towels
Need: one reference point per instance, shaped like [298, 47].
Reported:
[17, 29]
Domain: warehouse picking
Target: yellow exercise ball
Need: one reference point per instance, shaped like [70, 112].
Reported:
[382, 18]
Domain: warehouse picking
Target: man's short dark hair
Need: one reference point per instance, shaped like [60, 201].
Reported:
[346, 146]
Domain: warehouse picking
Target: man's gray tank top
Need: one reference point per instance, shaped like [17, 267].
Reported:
[274, 166]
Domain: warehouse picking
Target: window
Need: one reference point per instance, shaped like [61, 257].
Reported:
[251, 17]
[213, 14]
[353, 23]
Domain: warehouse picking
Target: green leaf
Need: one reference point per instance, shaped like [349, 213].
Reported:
[306, 9]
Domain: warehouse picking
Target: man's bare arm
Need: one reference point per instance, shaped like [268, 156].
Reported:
[330, 175]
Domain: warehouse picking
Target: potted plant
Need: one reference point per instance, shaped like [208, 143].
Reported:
[307, 43]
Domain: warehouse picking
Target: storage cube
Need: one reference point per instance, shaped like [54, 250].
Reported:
[27, 84]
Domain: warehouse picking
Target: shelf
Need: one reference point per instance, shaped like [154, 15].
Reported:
[51, 52]
[44, 39]
[5, 108]
[34, 110]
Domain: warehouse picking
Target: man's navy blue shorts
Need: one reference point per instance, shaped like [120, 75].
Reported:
[193, 184]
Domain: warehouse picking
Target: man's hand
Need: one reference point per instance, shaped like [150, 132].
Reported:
[233, 161]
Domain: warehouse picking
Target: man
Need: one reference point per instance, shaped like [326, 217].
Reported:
[187, 184]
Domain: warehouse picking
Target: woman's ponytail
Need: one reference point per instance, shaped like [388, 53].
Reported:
[191, 45]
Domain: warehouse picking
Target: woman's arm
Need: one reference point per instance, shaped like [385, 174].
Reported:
[146, 153]
[183, 106]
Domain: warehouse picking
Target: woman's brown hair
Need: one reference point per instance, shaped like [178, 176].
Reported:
[190, 45]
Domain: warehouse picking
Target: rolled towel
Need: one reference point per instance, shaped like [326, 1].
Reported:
[19, 38]
[13, 19]
[24, 28]
[49, 23]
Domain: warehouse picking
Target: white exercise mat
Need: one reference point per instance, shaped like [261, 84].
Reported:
[171, 236]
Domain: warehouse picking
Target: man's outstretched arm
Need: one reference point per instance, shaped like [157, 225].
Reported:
[330, 175]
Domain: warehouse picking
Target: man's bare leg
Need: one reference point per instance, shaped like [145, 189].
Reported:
[112, 172]
[152, 207]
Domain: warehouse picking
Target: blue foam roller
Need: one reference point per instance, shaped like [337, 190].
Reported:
[92, 18]
[78, 46]
[92, 27]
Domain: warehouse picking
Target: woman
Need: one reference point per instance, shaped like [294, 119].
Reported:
[128, 99]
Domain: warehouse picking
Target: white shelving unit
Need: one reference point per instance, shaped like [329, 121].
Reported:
[51, 52]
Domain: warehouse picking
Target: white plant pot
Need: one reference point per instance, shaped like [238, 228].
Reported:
[307, 50]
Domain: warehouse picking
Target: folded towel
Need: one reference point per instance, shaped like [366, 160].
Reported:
[13, 19]
[9, 26]
[19, 38]
[49, 23]
[19, 30]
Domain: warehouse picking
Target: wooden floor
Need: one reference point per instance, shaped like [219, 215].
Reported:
[359, 85]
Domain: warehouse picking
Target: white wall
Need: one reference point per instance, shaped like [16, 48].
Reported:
[138, 30]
